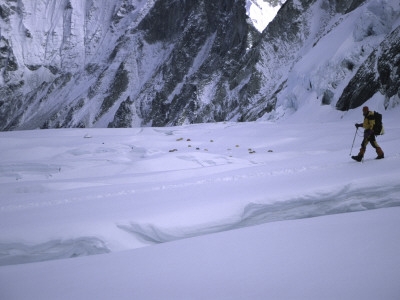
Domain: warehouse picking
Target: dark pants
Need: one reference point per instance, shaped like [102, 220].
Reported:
[369, 137]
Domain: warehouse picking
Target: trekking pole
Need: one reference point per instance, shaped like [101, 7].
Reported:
[353, 141]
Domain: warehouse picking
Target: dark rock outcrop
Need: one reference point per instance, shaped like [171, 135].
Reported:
[379, 73]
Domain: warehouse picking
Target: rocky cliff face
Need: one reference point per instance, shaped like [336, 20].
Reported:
[117, 63]
[202, 45]
[379, 73]
[324, 53]
[123, 63]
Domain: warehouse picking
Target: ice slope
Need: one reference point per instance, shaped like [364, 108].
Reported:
[233, 205]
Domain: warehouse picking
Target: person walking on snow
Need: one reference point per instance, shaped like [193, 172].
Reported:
[369, 136]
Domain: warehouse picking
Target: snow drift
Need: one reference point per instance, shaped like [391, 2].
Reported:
[224, 210]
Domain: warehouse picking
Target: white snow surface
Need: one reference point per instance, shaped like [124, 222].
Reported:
[230, 210]
[261, 13]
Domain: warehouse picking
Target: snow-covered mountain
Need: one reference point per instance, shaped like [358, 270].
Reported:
[312, 53]
[124, 63]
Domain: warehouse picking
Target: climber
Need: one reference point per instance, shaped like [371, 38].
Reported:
[371, 129]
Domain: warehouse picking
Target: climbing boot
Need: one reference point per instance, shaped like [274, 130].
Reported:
[380, 153]
[360, 155]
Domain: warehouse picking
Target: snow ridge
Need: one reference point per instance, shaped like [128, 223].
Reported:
[345, 200]
[18, 253]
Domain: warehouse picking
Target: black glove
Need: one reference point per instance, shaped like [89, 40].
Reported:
[358, 125]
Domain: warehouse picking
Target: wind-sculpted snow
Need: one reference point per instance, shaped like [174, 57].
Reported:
[76, 192]
[343, 201]
[20, 253]
[218, 196]
[346, 200]
[18, 171]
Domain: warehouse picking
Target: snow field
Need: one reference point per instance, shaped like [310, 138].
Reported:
[346, 256]
[213, 211]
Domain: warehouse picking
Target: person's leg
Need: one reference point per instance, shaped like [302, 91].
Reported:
[378, 149]
[360, 155]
